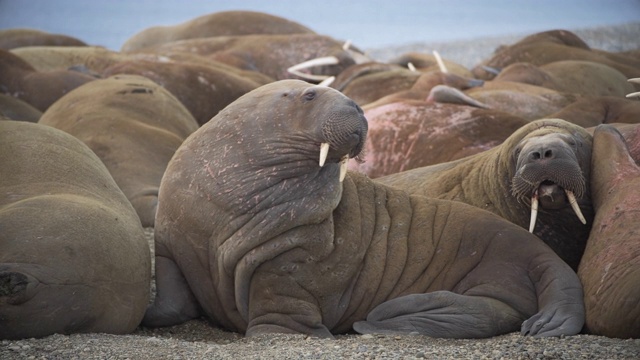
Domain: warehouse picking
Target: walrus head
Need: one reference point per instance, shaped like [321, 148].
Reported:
[549, 173]
[287, 133]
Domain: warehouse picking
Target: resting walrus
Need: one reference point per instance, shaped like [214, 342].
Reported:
[260, 226]
[610, 267]
[537, 178]
[73, 256]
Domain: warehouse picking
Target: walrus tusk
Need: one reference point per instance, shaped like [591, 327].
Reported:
[634, 80]
[534, 211]
[327, 60]
[447, 94]
[328, 81]
[343, 167]
[324, 151]
[410, 66]
[441, 65]
[575, 206]
[490, 69]
[633, 94]
[346, 45]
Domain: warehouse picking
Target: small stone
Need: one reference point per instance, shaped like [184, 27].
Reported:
[366, 336]
[420, 355]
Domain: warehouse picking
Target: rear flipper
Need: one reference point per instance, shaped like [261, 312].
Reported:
[442, 314]
[174, 302]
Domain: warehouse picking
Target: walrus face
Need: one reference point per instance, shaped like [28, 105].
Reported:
[548, 172]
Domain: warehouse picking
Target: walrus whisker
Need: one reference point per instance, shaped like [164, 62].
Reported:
[534, 211]
[327, 60]
[343, 167]
[324, 151]
[441, 65]
[575, 206]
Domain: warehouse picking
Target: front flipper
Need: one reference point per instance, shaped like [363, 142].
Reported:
[555, 322]
[174, 302]
[441, 314]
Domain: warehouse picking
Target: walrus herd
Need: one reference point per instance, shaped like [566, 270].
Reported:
[296, 185]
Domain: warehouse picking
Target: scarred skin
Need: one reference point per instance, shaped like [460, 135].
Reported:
[133, 125]
[610, 267]
[485, 180]
[260, 238]
[73, 256]
[409, 134]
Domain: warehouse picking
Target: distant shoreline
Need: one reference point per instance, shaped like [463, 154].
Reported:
[470, 52]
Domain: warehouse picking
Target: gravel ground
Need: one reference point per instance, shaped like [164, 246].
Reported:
[198, 340]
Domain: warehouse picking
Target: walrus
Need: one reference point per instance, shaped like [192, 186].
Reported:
[570, 76]
[134, 126]
[40, 89]
[410, 134]
[25, 37]
[308, 56]
[537, 178]
[202, 89]
[221, 23]
[610, 266]
[549, 46]
[16, 109]
[261, 227]
[73, 256]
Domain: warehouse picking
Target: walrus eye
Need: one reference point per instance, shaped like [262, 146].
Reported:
[310, 95]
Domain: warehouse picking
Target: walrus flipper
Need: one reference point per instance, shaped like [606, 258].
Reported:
[442, 314]
[174, 302]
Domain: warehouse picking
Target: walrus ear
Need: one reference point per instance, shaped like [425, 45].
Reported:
[16, 288]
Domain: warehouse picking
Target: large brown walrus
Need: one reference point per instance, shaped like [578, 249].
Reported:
[537, 178]
[550, 46]
[73, 256]
[261, 227]
[25, 37]
[133, 125]
[273, 55]
[38, 88]
[610, 267]
[203, 90]
[221, 23]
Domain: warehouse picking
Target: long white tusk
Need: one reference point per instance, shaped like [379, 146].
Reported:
[324, 151]
[327, 60]
[328, 81]
[634, 80]
[343, 167]
[633, 94]
[346, 45]
[534, 211]
[575, 206]
[441, 65]
[410, 66]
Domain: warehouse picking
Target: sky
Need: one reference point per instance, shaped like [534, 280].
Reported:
[367, 23]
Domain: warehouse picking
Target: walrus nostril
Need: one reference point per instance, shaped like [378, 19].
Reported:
[540, 155]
